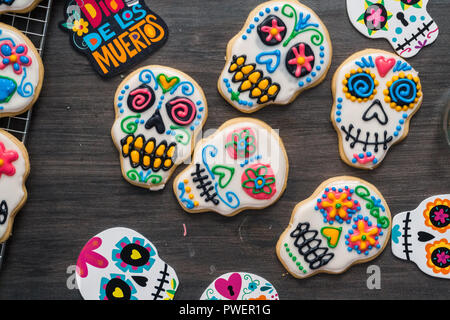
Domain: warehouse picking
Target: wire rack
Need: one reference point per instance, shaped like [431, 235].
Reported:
[34, 25]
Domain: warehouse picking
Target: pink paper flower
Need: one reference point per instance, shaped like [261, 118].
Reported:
[16, 56]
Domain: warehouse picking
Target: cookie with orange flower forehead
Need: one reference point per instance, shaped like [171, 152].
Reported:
[346, 221]
[422, 235]
[14, 170]
[283, 49]
[376, 93]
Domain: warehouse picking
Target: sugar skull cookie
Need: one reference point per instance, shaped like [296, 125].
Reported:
[243, 165]
[21, 72]
[121, 264]
[406, 24]
[14, 170]
[375, 94]
[159, 113]
[283, 49]
[19, 6]
[423, 236]
[346, 221]
[240, 286]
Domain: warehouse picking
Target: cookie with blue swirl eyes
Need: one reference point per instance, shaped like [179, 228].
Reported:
[375, 95]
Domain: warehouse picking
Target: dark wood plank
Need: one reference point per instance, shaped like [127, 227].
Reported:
[76, 189]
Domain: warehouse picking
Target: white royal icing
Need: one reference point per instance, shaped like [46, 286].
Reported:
[378, 123]
[222, 175]
[16, 5]
[133, 121]
[12, 188]
[309, 251]
[27, 82]
[299, 21]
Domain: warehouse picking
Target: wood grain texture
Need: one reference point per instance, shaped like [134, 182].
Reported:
[76, 189]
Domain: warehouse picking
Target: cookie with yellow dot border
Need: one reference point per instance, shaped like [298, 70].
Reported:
[375, 95]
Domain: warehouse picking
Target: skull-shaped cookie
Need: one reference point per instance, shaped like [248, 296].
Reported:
[159, 113]
[423, 236]
[346, 221]
[21, 72]
[19, 6]
[240, 286]
[121, 264]
[406, 24]
[243, 165]
[375, 95]
[14, 170]
[283, 49]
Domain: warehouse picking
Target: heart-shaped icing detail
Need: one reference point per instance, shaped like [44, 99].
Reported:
[384, 65]
[135, 255]
[118, 293]
[332, 235]
[225, 174]
[271, 59]
[424, 236]
[167, 83]
[230, 288]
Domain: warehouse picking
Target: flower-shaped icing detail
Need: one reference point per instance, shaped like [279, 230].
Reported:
[336, 204]
[6, 159]
[117, 287]
[133, 256]
[438, 256]
[273, 31]
[363, 236]
[301, 60]
[88, 256]
[437, 215]
[16, 56]
[80, 27]
[241, 143]
[258, 181]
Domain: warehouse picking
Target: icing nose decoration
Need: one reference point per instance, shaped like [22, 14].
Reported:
[376, 111]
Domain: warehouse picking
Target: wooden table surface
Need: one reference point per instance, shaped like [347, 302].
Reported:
[76, 189]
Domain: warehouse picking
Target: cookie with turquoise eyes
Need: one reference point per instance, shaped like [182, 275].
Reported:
[283, 49]
[375, 95]
[21, 72]
[18, 6]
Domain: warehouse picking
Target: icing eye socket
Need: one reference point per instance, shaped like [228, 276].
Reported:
[440, 216]
[375, 17]
[117, 289]
[438, 256]
[360, 85]
[272, 30]
[403, 92]
[181, 110]
[300, 60]
[134, 255]
[141, 99]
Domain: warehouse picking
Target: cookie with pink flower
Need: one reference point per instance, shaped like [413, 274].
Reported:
[21, 72]
[282, 50]
[14, 170]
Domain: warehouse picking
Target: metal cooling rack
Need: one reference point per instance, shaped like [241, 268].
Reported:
[34, 25]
